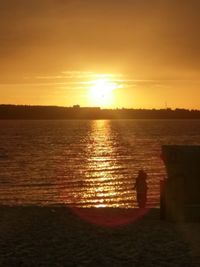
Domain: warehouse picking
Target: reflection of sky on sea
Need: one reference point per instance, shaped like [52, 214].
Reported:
[85, 163]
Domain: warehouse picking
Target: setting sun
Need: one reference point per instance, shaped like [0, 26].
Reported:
[101, 92]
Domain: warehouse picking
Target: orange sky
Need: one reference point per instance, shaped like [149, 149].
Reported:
[53, 51]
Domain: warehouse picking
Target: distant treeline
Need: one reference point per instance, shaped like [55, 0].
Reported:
[16, 112]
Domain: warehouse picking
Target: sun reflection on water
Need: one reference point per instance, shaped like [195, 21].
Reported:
[101, 165]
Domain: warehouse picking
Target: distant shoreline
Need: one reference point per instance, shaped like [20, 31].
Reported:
[25, 112]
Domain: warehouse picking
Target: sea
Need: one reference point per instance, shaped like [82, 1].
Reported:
[86, 163]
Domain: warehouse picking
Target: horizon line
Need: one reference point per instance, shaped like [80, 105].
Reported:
[76, 106]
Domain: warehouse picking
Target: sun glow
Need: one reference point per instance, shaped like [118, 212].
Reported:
[101, 92]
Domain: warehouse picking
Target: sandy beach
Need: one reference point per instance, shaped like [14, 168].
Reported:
[59, 236]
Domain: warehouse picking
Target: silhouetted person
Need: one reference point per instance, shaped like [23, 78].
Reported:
[141, 188]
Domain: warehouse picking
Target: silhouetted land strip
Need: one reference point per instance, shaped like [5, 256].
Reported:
[58, 236]
[53, 112]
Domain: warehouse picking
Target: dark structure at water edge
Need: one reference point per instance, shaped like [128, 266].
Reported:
[180, 198]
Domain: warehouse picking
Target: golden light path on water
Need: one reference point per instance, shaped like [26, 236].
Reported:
[101, 153]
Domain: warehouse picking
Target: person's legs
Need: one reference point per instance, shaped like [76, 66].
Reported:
[141, 199]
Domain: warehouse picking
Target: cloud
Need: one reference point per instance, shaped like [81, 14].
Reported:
[151, 39]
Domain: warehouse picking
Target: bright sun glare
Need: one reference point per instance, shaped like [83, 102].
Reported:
[101, 92]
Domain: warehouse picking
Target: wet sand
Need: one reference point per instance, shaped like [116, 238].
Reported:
[59, 236]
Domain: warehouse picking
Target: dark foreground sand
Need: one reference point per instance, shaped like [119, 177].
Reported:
[38, 236]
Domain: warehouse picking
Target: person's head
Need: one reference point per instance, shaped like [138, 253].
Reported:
[142, 173]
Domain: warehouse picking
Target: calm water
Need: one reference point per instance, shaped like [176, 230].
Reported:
[85, 163]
